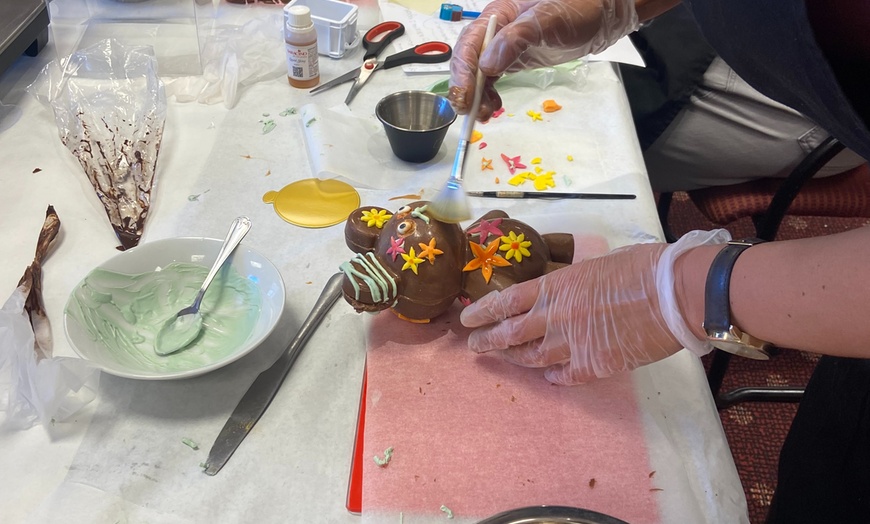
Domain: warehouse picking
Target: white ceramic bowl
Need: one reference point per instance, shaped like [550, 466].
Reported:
[153, 256]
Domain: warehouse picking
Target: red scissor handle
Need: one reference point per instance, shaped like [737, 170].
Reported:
[380, 36]
[426, 53]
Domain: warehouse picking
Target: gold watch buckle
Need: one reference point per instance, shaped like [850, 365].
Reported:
[739, 343]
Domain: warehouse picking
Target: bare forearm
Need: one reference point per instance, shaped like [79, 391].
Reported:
[648, 9]
[811, 294]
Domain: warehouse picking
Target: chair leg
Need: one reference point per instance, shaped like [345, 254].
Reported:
[766, 228]
[664, 208]
[761, 394]
[718, 367]
[768, 224]
[716, 375]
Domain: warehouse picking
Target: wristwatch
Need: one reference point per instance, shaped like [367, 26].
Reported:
[721, 333]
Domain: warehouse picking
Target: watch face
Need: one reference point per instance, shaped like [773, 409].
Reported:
[740, 349]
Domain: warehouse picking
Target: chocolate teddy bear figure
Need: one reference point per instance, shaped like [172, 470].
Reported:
[418, 266]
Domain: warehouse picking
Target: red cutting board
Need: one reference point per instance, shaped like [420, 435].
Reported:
[354, 484]
[481, 436]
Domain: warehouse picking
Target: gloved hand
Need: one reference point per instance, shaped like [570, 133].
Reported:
[531, 34]
[593, 318]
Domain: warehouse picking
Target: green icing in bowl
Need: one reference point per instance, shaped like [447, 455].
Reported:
[125, 312]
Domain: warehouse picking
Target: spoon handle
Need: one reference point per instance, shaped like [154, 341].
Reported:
[237, 232]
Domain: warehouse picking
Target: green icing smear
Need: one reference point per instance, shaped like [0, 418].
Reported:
[126, 312]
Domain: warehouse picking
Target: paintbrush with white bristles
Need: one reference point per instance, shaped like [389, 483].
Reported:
[451, 204]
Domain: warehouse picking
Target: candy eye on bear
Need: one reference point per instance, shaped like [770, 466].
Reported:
[406, 227]
[404, 210]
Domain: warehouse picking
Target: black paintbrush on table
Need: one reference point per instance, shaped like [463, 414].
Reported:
[547, 194]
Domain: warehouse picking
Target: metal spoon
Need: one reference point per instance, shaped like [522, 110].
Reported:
[180, 330]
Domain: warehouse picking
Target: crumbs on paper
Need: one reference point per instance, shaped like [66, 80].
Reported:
[190, 443]
[268, 126]
[388, 455]
[550, 106]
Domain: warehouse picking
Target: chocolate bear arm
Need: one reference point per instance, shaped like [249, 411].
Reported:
[358, 236]
[553, 266]
[493, 214]
[561, 247]
[475, 288]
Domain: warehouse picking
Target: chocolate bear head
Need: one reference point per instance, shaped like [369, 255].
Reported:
[407, 261]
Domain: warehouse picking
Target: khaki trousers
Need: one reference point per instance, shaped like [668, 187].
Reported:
[730, 133]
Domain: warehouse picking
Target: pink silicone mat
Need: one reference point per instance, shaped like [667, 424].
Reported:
[481, 436]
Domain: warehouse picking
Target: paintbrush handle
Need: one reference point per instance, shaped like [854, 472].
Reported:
[468, 122]
[524, 194]
[480, 79]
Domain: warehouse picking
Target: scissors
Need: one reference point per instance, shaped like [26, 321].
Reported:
[427, 53]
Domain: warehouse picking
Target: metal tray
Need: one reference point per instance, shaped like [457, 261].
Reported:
[23, 29]
[551, 515]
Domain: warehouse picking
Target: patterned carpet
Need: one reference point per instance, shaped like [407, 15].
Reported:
[756, 430]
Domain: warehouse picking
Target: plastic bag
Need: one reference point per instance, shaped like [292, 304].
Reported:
[110, 109]
[34, 387]
[571, 74]
[233, 57]
[9, 115]
[38, 390]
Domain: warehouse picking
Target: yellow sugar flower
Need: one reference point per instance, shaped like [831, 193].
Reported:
[411, 261]
[516, 246]
[375, 218]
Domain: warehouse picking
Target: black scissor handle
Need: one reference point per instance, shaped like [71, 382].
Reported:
[426, 53]
[387, 31]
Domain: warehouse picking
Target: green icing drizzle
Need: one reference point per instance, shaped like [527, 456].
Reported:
[386, 276]
[375, 277]
[125, 312]
[418, 213]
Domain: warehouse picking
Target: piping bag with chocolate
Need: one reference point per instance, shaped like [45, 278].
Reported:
[110, 108]
[34, 386]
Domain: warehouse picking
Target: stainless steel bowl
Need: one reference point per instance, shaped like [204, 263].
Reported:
[416, 123]
[551, 515]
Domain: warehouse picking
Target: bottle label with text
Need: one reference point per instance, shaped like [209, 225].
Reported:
[302, 62]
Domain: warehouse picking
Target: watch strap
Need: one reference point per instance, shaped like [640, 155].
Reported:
[717, 294]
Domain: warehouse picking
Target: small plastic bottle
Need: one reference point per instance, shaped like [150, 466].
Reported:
[300, 39]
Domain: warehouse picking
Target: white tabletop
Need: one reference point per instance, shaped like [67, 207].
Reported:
[120, 459]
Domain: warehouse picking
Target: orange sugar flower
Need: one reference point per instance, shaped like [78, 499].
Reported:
[485, 258]
[429, 251]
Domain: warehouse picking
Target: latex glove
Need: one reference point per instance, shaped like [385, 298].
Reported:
[594, 318]
[532, 34]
